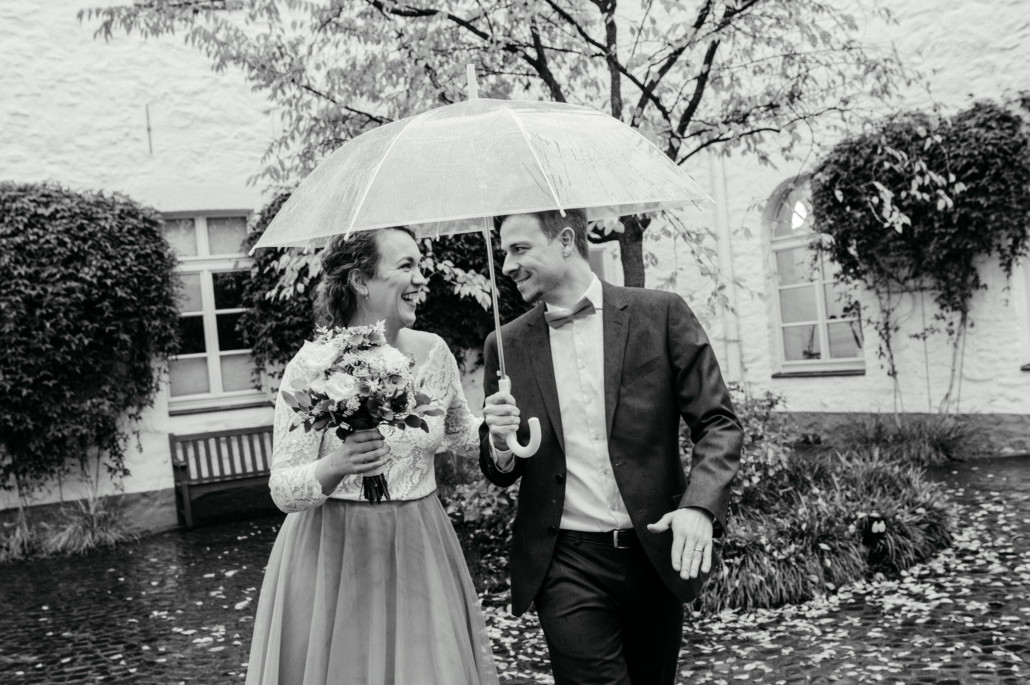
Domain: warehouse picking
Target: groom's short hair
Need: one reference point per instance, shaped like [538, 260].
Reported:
[552, 223]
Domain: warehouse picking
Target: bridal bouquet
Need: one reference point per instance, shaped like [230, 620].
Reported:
[352, 380]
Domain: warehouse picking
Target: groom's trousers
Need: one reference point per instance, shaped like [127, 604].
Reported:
[608, 617]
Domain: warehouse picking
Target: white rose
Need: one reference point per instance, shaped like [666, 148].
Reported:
[321, 357]
[318, 385]
[393, 359]
[341, 387]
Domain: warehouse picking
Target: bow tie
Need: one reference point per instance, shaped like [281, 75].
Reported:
[582, 309]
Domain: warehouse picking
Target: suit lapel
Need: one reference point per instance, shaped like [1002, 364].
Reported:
[616, 332]
[538, 349]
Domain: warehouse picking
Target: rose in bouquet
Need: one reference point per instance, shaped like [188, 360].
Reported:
[352, 380]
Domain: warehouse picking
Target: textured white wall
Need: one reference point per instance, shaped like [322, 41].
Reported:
[74, 111]
[968, 51]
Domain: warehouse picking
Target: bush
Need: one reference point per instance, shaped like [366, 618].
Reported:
[769, 438]
[88, 524]
[18, 541]
[801, 523]
[917, 440]
[808, 530]
[88, 306]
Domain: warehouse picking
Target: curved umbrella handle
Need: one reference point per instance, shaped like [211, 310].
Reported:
[504, 385]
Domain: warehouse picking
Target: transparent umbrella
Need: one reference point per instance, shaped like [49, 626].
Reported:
[452, 169]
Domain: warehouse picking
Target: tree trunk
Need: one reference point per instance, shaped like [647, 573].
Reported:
[631, 246]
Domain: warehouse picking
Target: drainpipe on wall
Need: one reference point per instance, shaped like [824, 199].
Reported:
[731, 327]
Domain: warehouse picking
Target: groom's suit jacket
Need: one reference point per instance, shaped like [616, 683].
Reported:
[658, 367]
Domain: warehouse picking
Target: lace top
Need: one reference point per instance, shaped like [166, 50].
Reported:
[409, 471]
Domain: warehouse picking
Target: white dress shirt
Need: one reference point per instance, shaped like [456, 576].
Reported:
[592, 499]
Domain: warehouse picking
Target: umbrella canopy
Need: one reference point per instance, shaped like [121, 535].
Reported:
[441, 172]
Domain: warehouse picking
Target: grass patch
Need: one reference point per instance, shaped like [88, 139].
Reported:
[80, 526]
[88, 524]
[809, 530]
[18, 541]
[922, 440]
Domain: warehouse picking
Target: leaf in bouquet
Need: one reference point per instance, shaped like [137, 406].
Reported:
[291, 400]
[413, 421]
[399, 424]
[323, 405]
[428, 410]
[423, 425]
[422, 398]
[320, 424]
[303, 400]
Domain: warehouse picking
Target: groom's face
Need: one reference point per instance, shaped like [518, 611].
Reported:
[534, 261]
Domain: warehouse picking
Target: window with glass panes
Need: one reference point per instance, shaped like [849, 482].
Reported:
[817, 326]
[213, 362]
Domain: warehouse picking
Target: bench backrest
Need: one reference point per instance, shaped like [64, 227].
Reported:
[222, 455]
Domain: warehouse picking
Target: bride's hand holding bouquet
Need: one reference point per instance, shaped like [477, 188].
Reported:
[353, 382]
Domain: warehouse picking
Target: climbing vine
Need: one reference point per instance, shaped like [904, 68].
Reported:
[919, 202]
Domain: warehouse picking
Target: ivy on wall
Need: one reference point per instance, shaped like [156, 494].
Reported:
[86, 309]
[921, 201]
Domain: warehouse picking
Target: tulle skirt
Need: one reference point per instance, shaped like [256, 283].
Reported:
[361, 594]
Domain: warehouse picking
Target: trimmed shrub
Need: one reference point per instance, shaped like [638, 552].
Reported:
[87, 308]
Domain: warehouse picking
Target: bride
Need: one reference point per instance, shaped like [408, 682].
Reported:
[355, 592]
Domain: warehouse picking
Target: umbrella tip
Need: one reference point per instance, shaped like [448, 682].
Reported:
[473, 87]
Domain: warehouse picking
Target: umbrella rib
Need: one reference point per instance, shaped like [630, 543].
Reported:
[525, 136]
[386, 153]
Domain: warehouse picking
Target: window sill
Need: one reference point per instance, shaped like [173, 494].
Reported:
[215, 407]
[821, 373]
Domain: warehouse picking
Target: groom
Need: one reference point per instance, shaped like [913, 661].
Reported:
[610, 538]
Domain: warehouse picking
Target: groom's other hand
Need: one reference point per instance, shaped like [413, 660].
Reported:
[691, 540]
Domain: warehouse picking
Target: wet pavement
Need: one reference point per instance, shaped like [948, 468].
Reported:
[178, 608]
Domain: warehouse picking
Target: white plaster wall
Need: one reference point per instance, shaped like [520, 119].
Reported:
[967, 50]
[73, 110]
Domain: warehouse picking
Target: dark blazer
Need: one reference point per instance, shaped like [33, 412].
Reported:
[658, 366]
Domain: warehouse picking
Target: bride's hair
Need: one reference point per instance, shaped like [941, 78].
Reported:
[337, 301]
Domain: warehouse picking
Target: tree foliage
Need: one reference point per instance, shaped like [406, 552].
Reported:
[88, 306]
[280, 313]
[692, 75]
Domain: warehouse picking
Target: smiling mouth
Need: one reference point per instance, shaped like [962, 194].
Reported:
[519, 280]
[410, 298]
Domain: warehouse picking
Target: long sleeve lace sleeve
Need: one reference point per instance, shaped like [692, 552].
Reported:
[461, 427]
[294, 455]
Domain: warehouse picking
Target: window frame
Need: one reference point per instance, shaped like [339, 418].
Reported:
[824, 366]
[206, 266]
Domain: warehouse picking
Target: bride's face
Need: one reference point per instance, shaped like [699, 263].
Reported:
[396, 289]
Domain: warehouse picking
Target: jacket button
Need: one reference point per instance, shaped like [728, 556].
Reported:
[559, 479]
[552, 531]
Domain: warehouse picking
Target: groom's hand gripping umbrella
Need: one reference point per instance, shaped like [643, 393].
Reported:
[451, 169]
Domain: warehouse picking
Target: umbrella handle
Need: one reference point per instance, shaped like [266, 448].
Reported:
[504, 385]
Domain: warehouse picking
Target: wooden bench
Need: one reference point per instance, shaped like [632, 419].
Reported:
[210, 462]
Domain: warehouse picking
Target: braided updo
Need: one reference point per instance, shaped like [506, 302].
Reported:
[337, 300]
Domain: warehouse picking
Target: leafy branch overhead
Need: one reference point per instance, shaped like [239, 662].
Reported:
[692, 75]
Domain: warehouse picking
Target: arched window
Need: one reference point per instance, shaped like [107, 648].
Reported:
[817, 330]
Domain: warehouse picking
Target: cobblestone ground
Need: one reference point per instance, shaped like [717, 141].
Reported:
[178, 608]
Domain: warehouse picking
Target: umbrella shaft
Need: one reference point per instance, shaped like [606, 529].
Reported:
[493, 294]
